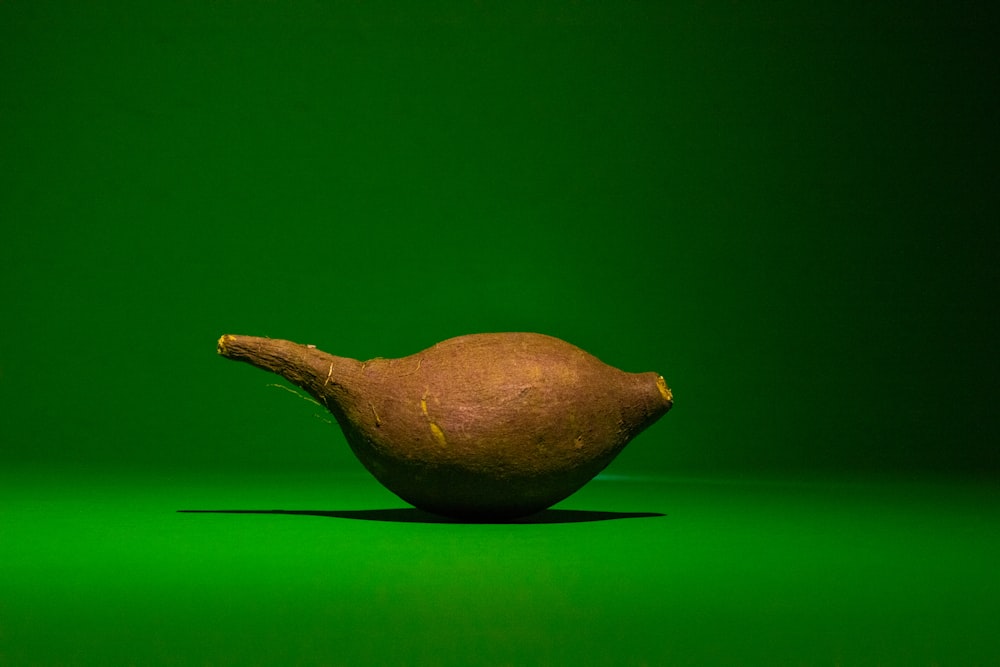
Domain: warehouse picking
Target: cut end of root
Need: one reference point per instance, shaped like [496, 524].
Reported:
[661, 384]
[221, 346]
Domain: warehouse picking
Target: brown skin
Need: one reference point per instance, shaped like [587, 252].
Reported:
[484, 427]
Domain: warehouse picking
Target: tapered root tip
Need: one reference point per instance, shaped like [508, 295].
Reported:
[221, 346]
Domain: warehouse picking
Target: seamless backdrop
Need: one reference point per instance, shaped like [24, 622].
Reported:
[788, 210]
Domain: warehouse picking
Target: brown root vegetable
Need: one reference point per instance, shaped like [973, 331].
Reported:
[484, 426]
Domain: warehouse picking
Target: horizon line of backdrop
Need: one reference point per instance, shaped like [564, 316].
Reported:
[788, 211]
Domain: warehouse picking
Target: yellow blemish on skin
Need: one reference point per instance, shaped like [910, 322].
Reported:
[661, 384]
[221, 347]
[438, 435]
[435, 429]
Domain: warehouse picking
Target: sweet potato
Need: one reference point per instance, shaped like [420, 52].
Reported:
[482, 427]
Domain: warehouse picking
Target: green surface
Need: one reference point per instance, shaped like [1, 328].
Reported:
[789, 211]
[752, 572]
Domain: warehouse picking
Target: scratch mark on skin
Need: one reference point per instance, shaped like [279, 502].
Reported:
[329, 373]
[378, 420]
[438, 435]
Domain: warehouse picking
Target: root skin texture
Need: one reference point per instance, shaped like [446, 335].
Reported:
[478, 427]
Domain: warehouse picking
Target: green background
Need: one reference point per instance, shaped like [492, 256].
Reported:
[787, 209]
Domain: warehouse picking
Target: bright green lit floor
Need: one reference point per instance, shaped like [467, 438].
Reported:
[104, 569]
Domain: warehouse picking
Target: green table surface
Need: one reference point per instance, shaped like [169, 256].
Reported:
[115, 568]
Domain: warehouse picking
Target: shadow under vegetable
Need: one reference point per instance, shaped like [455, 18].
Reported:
[413, 515]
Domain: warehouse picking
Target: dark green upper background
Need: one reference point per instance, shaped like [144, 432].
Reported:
[787, 210]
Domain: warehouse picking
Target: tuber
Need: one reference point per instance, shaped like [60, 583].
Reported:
[479, 427]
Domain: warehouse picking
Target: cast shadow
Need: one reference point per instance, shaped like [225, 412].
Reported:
[413, 515]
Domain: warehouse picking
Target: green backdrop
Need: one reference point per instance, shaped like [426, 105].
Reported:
[788, 210]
